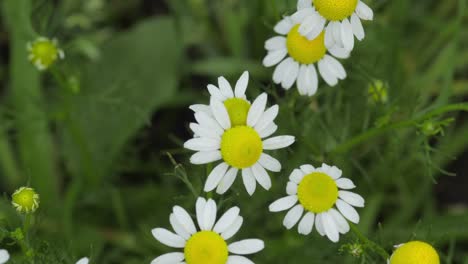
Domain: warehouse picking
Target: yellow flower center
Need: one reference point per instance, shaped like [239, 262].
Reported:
[415, 252]
[303, 50]
[238, 110]
[44, 52]
[25, 200]
[241, 147]
[206, 247]
[317, 192]
[335, 10]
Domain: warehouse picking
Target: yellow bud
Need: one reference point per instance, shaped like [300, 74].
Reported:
[25, 200]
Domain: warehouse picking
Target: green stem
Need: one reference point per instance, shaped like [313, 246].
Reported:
[347, 145]
[369, 244]
[35, 144]
[8, 162]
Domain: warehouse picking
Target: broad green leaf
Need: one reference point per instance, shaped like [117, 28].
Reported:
[136, 74]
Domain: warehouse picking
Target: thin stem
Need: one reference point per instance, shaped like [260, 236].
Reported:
[347, 145]
[369, 244]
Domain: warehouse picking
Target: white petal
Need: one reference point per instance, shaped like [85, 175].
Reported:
[228, 218]
[241, 85]
[81, 261]
[232, 230]
[329, 37]
[306, 224]
[169, 258]
[202, 144]
[204, 157]
[351, 198]
[215, 176]
[261, 175]
[330, 227]
[326, 74]
[283, 204]
[334, 172]
[290, 75]
[178, 228]
[238, 260]
[301, 80]
[246, 246]
[280, 70]
[293, 216]
[200, 108]
[303, 4]
[336, 27]
[4, 256]
[267, 118]
[284, 26]
[319, 224]
[336, 67]
[347, 34]
[317, 29]
[256, 109]
[364, 12]
[307, 81]
[341, 223]
[184, 218]
[347, 211]
[300, 15]
[345, 183]
[209, 122]
[168, 238]
[278, 142]
[269, 163]
[200, 207]
[339, 52]
[274, 57]
[209, 214]
[215, 92]
[225, 87]
[227, 181]
[296, 176]
[268, 131]
[358, 30]
[220, 113]
[291, 188]
[307, 168]
[249, 180]
[203, 131]
[275, 43]
[309, 23]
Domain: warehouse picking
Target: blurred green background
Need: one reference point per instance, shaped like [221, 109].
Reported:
[94, 135]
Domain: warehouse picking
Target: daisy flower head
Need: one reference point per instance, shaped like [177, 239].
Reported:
[234, 100]
[25, 200]
[414, 252]
[313, 194]
[341, 20]
[43, 52]
[4, 256]
[208, 244]
[239, 147]
[297, 56]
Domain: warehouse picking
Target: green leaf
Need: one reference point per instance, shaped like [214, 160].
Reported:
[135, 75]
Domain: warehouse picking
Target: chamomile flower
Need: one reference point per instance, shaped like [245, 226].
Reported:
[414, 252]
[314, 192]
[343, 17]
[43, 52]
[234, 100]
[301, 56]
[4, 256]
[25, 200]
[208, 244]
[240, 147]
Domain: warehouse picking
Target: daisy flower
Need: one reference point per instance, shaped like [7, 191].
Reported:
[233, 99]
[315, 192]
[43, 52]
[414, 252]
[240, 147]
[343, 17]
[4, 256]
[301, 56]
[209, 243]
